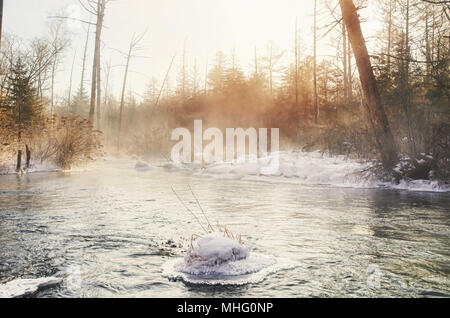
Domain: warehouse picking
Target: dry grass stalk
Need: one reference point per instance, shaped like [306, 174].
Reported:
[209, 229]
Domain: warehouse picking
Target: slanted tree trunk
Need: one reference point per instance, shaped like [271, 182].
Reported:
[69, 98]
[122, 99]
[375, 111]
[406, 91]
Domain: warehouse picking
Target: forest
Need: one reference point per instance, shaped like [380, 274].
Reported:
[389, 105]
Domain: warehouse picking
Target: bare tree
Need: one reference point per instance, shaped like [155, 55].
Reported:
[69, 98]
[270, 63]
[96, 8]
[59, 42]
[1, 22]
[134, 46]
[83, 68]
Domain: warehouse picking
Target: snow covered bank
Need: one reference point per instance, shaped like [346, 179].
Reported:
[215, 259]
[27, 287]
[309, 168]
[34, 168]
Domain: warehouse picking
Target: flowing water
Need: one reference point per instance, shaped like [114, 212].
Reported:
[111, 229]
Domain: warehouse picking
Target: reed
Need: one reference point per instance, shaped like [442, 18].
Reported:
[208, 228]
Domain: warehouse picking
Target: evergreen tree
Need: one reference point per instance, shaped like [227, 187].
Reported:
[24, 102]
[79, 105]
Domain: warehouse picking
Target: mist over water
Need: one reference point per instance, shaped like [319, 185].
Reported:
[119, 226]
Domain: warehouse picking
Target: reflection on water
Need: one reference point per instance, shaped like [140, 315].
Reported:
[118, 226]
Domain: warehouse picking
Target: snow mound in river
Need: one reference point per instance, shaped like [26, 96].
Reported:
[142, 166]
[212, 250]
[215, 259]
[27, 287]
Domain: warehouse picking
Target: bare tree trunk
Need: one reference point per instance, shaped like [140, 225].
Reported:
[28, 156]
[296, 63]
[316, 101]
[344, 51]
[389, 37]
[52, 98]
[99, 96]
[166, 77]
[206, 76]
[122, 99]
[377, 116]
[256, 62]
[184, 74]
[406, 91]
[83, 70]
[19, 160]
[70, 84]
[1, 22]
[350, 75]
[99, 26]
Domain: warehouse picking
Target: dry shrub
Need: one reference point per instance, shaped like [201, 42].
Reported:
[65, 141]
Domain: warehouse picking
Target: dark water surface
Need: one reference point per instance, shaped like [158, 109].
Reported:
[112, 228]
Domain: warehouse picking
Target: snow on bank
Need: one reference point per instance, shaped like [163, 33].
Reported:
[34, 168]
[218, 260]
[27, 287]
[309, 168]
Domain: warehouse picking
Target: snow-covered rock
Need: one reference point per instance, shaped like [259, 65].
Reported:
[215, 259]
[142, 166]
[215, 249]
[27, 287]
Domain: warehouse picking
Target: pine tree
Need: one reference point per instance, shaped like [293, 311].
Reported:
[24, 102]
[79, 105]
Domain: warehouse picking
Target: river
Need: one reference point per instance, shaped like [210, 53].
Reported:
[111, 229]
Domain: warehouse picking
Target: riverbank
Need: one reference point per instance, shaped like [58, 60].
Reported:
[309, 168]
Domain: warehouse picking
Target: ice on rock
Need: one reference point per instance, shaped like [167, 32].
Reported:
[27, 287]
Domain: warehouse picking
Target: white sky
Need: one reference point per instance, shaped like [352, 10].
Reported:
[207, 25]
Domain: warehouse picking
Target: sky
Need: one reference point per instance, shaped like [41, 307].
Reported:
[206, 26]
